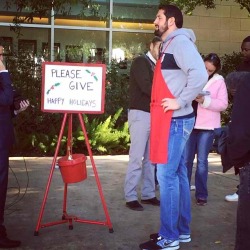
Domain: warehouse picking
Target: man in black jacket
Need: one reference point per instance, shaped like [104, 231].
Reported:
[141, 77]
[243, 66]
[237, 152]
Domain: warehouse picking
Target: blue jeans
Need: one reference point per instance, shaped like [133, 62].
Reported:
[175, 204]
[243, 214]
[200, 143]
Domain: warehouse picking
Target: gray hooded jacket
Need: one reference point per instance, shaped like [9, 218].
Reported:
[183, 69]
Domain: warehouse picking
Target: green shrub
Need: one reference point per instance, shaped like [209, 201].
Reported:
[104, 137]
[229, 64]
[117, 85]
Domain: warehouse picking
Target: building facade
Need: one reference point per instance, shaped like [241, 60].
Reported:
[120, 31]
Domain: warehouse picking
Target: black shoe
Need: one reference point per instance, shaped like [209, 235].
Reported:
[201, 202]
[149, 245]
[154, 201]
[154, 236]
[7, 243]
[134, 205]
[160, 243]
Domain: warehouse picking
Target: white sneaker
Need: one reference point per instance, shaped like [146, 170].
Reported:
[184, 238]
[232, 197]
[166, 244]
[192, 188]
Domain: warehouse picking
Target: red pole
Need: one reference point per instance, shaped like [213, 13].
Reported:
[96, 174]
[50, 175]
[68, 154]
[65, 198]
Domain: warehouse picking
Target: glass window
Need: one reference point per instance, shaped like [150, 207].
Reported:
[130, 44]
[27, 48]
[82, 46]
[27, 41]
[96, 16]
[7, 14]
[134, 14]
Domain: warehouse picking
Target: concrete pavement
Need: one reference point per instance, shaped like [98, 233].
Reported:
[213, 226]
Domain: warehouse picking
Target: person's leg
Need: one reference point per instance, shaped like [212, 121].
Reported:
[205, 141]
[237, 192]
[234, 196]
[7, 138]
[185, 200]
[148, 174]
[189, 154]
[156, 181]
[243, 215]
[5, 242]
[4, 168]
[217, 134]
[138, 136]
[174, 186]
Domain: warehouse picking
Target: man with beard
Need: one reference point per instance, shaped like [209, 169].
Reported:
[179, 76]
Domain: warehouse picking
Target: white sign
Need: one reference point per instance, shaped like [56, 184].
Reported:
[73, 87]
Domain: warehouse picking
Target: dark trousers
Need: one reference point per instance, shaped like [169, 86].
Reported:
[4, 169]
[243, 211]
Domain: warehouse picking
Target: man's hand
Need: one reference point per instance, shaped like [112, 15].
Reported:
[170, 104]
[200, 99]
[23, 106]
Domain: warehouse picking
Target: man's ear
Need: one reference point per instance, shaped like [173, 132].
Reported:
[151, 46]
[171, 21]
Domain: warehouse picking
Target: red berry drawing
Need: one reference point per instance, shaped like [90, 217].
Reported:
[53, 87]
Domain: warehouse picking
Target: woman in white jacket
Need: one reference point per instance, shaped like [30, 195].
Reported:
[207, 106]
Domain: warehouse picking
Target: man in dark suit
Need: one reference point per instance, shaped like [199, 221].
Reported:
[6, 141]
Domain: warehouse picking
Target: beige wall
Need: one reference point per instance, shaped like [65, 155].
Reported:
[220, 30]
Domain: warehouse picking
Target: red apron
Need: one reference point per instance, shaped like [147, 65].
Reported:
[160, 120]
